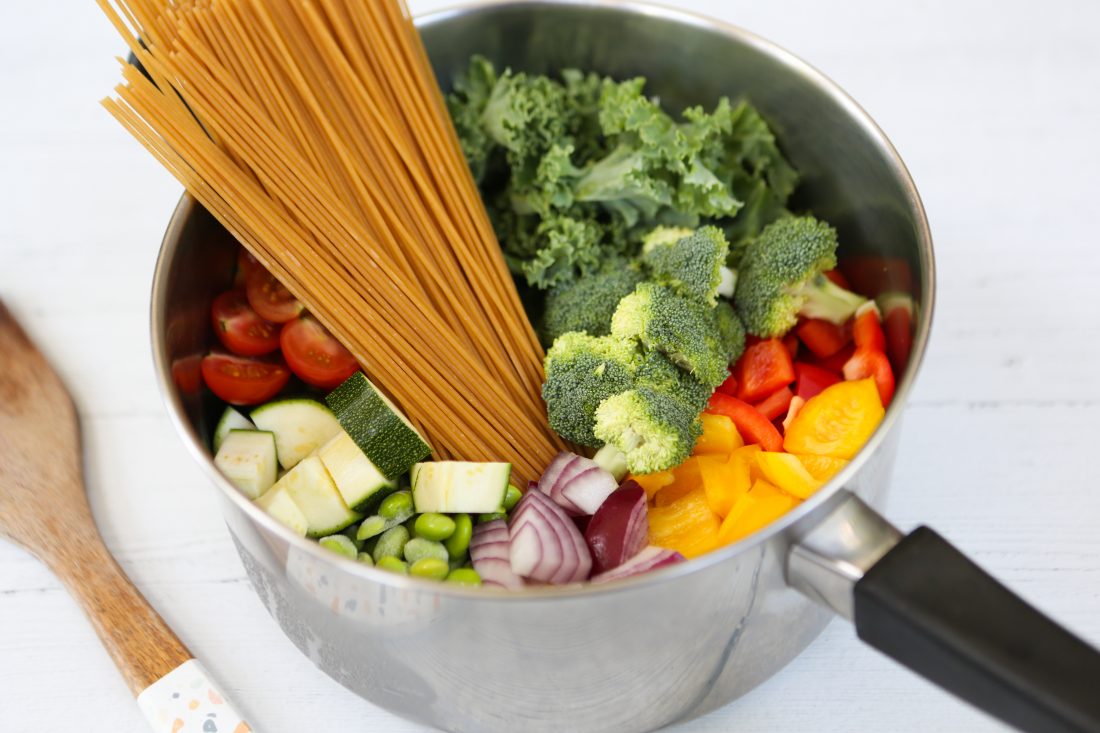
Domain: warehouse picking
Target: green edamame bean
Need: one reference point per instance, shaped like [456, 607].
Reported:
[418, 548]
[459, 541]
[433, 526]
[429, 567]
[492, 516]
[393, 565]
[371, 527]
[352, 533]
[339, 544]
[464, 576]
[397, 506]
[365, 558]
[391, 543]
[512, 495]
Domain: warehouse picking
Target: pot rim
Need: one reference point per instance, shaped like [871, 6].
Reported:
[795, 65]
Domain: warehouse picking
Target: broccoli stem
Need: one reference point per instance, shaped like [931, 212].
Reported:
[826, 300]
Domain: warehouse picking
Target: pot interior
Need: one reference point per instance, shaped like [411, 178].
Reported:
[850, 175]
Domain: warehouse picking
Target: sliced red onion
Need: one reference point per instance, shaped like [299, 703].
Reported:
[582, 523]
[650, 558]
[489, 554]
[554, 469]
[576, 484]
[545, 544]
[588, 489]
[619, 529]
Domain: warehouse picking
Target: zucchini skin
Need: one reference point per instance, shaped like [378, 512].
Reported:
[377, 427]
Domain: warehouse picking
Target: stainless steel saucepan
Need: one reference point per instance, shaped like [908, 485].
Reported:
[668, 646]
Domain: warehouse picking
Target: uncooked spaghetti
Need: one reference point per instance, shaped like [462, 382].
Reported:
[315, 132]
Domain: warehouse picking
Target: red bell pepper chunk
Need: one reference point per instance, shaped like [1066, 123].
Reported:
[762, 369]
[867, 329]
[823, 338]
[729, 386]
[838, 278]
[775, 405]
[812, 380]
[836, 362]
[868, 363]
[753, 427]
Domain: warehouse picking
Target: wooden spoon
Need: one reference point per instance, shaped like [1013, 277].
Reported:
[43, 508]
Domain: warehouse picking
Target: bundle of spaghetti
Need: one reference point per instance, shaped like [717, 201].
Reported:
[315, 132]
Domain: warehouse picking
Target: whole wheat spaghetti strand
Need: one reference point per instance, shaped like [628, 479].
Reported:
[458, 173]
[214, 204]
[185, 120]
[322, 144]
[458, 307]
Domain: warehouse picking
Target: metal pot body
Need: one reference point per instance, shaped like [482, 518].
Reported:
[632, 656]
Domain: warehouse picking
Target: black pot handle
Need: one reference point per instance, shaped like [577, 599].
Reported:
[929, 607]
[922, 602]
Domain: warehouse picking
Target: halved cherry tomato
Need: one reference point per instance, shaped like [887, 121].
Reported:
[873, 275]
[729, 386]
[870, 363]
[239, 328]
[811, 380]
[242, 381]
[314, 355]
[867, 329]
[762, 369]
[754, 428]
[823, 338]
[897, 322]
[187, 373]
[270, 299]
[246, 263]
[775, 405]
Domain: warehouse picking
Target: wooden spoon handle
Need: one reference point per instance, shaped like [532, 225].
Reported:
[172, 689]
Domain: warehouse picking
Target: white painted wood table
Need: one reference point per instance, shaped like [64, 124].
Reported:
[994, 106]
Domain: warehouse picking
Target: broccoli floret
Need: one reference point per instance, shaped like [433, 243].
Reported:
[692, 264]
[581, 372]
[683, 329]
[654, 430]
[588, 303]
[781, 276]
[664, 235]
[731, 331]
[655, 370]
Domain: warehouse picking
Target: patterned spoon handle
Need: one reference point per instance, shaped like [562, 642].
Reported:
[173, 690]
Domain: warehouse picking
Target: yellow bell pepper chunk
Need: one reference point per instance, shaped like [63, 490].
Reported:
[719, 436]
[727, 532]
[724, 479]
[653, 482]
[767, 504]
[686, 525]
[822, 468]
[686, 477]
[787, 472]
[837, 422]
[747, 455]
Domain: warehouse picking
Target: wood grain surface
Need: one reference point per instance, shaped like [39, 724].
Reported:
[43, 507]
[993, 106]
